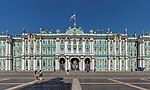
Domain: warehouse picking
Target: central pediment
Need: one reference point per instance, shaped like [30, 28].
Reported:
[74, 30]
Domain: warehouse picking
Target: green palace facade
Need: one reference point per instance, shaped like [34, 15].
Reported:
[74, 50]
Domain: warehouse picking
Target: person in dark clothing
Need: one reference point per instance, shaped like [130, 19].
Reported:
[36, 75]
[41, 75]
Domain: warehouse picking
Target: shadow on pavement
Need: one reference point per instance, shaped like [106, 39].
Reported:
[52, 84]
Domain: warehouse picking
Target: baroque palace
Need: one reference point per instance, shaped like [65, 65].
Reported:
[74, 50]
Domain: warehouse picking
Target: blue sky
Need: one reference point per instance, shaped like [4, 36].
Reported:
[90, 14]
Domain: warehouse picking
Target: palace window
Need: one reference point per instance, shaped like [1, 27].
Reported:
[95, 41]
[74, 42]
[87, 42]
[14, 53]
[62, 42]
[37, 42]
[43, 42]
[4, 51]
[0, 52]
[53, 41]
[38, 64]
[145, 52]
[122, 42]
[26, 42]
[69, 42]
[43, 63]
[48, 42]
[26, 63]
[80, 41]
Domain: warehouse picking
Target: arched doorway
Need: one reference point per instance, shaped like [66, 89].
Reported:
[87, 64]
[74, 64]
[62, 64]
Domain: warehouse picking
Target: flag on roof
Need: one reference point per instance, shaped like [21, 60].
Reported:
[73, 17]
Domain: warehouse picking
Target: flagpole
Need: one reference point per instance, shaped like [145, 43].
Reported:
[75, 20]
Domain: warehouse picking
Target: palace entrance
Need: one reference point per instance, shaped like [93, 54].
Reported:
[74, 64]
[87, 64]
[62, 64]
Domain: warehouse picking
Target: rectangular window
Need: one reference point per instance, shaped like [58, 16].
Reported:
[43, 42]
[48, 42]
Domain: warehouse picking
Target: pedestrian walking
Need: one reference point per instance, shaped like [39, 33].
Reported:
[87, 70]
[67, 72]
[41, 75]
[36, 75]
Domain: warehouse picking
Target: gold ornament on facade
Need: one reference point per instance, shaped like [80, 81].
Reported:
[65, 40]
[91, 40]
[87, 47]
[74, 45]
[117, 36]
[74, 32]
[68, 46]
[83, 40]
[57, 40]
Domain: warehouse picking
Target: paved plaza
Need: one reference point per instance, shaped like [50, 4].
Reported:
[19, 80]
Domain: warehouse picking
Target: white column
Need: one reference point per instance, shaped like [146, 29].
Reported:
[115, 53]
[71, 47]
[93, 64]
[66, 43]
[77, 47]
[109, 64]
[83, 46]
[108, 54]
[120, 62]
[9, 53]
[80, 65]
[29, 53]
[83, 64]
[126, 47]
[56, 64]
[126, 60]
[34, 62]
[120, 49]
[40, 61]
[115, 64]
[90, 46]
[66, 64]
[57, 46]
[108, 46]
[6, 60]
[143, 53]
[140, 54]
[69, 64]
[23, 53]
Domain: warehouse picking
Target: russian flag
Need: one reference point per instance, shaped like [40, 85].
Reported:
[73, 17]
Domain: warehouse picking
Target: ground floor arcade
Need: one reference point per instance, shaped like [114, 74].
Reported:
[75, 63]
